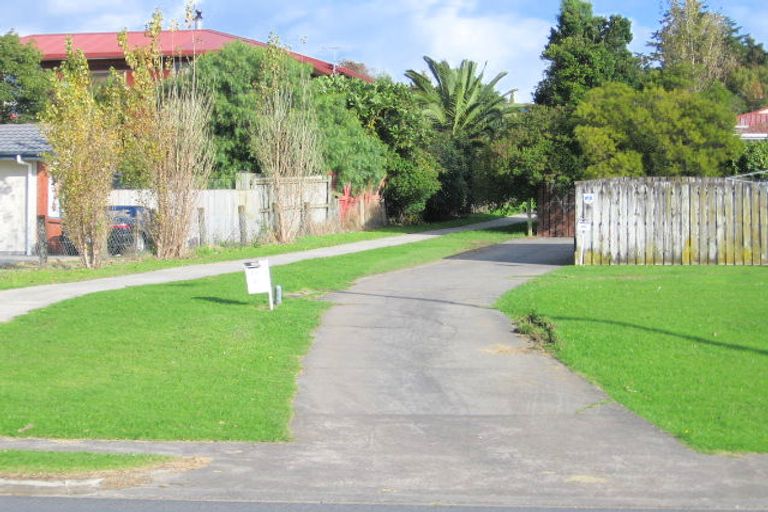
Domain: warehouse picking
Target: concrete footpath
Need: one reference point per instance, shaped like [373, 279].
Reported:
[19, 301]
[416, 391]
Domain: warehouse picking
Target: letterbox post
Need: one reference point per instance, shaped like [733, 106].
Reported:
[258, 280]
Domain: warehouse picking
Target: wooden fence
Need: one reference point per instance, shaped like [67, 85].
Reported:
[239, 216]
[671, 221]
[555, 213]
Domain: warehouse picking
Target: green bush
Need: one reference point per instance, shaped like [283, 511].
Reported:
[410, 183]
[357, 157]
[455, 195]
[232, 74]
[755, 158]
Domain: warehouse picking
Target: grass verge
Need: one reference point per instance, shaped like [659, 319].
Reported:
[44, 464]
[684, 347]
[72, 271]
[197, 360]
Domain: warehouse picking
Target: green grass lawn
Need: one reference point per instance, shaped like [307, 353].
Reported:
[30, 464]
[684, 347]
[22, 277]
[189, 360]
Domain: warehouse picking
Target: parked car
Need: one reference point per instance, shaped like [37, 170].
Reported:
[129, 232]
[130, 229]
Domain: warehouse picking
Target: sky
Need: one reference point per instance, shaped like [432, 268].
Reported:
[389, 36]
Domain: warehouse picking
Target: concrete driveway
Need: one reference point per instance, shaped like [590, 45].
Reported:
[417, 391]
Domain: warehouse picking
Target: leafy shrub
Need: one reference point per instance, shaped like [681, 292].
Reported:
[410, 183]
[357, 157]
[755, 158]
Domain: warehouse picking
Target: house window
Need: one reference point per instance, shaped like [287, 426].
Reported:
[99, 77]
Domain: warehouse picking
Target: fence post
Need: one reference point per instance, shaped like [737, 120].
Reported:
[242, 224]
[530, 216]
[275, 219]
[42, 241]
[203, 236]
[542, 212]
[306, 217]
[383, 209]
[361, 206]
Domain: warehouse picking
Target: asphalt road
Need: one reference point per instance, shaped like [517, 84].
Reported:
[96, 505]
[417, 391]
[18, 301]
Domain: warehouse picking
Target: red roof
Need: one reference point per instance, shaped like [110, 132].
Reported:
[754, 122]
[103, 45]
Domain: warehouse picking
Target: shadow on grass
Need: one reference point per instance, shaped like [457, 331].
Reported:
[226, 302]
[698, 339]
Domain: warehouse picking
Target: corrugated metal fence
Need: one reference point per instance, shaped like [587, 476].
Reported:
[671, 221]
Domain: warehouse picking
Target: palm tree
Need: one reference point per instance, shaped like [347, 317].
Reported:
[458, 102]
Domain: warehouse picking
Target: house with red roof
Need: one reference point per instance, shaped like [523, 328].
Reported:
[27, 195]
[103, 51]
[753, 125]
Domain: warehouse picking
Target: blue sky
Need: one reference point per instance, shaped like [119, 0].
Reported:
[390, 36]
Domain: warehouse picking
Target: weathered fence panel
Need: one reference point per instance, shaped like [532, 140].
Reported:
[234, 216]
[671, 221]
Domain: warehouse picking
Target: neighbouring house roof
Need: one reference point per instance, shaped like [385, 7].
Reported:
[753, 125]
[22, 139]
[185, 43]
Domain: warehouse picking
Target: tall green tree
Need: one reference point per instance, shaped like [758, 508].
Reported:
[231, 75]
[693, 44]
[585, 51]
[457, 100]
[654, 132]
[749, 80]
[286, 138]
[84, 139]
[25, 87]
[532, 151]
[466, 112]
[390, 111]
[750, 85]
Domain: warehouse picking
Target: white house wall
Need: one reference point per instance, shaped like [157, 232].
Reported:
[15, 226]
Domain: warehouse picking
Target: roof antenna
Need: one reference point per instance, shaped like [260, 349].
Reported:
[334, 64]
[198, 19]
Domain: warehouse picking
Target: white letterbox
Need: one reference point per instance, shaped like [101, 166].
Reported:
[258, 279]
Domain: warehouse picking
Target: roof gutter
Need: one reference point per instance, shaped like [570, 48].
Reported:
[29, 204]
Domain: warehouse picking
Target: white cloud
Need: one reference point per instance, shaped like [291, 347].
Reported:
[96, 15]
[77, 6]
[108, 16]
[641, 35]
[111, 22]
[455, 31]
[392, 35]
[387, 35]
